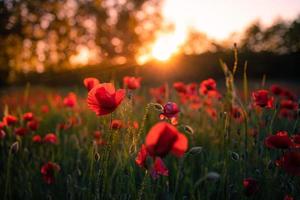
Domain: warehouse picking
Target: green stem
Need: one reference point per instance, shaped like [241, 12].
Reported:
[7, 177]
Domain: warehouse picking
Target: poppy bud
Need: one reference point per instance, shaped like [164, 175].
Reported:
[195, 150]
[213, 176]
[14, 148]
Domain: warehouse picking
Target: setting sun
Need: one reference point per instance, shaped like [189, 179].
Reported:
[167, 45]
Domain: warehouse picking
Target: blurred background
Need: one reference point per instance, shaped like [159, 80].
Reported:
[59, 42]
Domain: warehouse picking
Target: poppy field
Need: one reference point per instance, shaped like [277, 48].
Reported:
[111, 140]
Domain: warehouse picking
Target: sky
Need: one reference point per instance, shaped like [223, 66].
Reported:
[219, 18]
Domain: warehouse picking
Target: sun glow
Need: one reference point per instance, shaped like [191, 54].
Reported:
[217, 19]
[84, 56]
[165, 46]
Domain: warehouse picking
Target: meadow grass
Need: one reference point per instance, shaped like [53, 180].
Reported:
[221, 153]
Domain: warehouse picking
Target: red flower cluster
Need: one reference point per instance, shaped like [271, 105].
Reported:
[21, 131]
[10, 120]
[207, 85]
[288, 104]
[32, 122]
[208, 95]
[36, 139]
[282, 92]
[290, 161]
[262, 99]
[90, 83]
[116, 124]
[28, 116]
[104, 99]
[250, 186]
[158, 93]
[50, 138]
[131, 82]
[180, 87]
[33, 125]
[48, 171]
[70, 100]
[288, 109]
[98, 139]
[279, 141]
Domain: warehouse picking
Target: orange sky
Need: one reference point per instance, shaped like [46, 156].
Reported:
[219, 18]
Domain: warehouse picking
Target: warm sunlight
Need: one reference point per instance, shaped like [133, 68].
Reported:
[218, 19]
[84, 56]
[165, 46]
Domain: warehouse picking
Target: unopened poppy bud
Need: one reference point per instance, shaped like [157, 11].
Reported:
[158, 106]
[235, 156]
[97, 156]
[195, 150]
[14, 148]
[189, 129]
[213, 176]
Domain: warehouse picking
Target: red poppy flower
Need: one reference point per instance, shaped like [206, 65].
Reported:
[10, 120]
[142, 157]
[21, 131]
[262, 99]
[237, 114]
[2, 125]
[192, 89]
[288, 197]
[164, 138]
[158, 93]
[70, 100]
[48, 171]
[276, 89]
[63, 126]
[97, 134]
[279, 141]
[33, 125]
[214, 94]
[36, 139]
[98, 140]
[28, 116]
[104, 99]
[2, 134]
[116, 124]
[170, 110]
[250, 186]
[290, 162]
[90, 83]
[159, 168]
[212, 113]
[45, 109]
[50, 138]
[180, 87]
[289, 95]
[207, 85]
[296, 140]
[135, 125]
[131, 82]
[288, 104]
